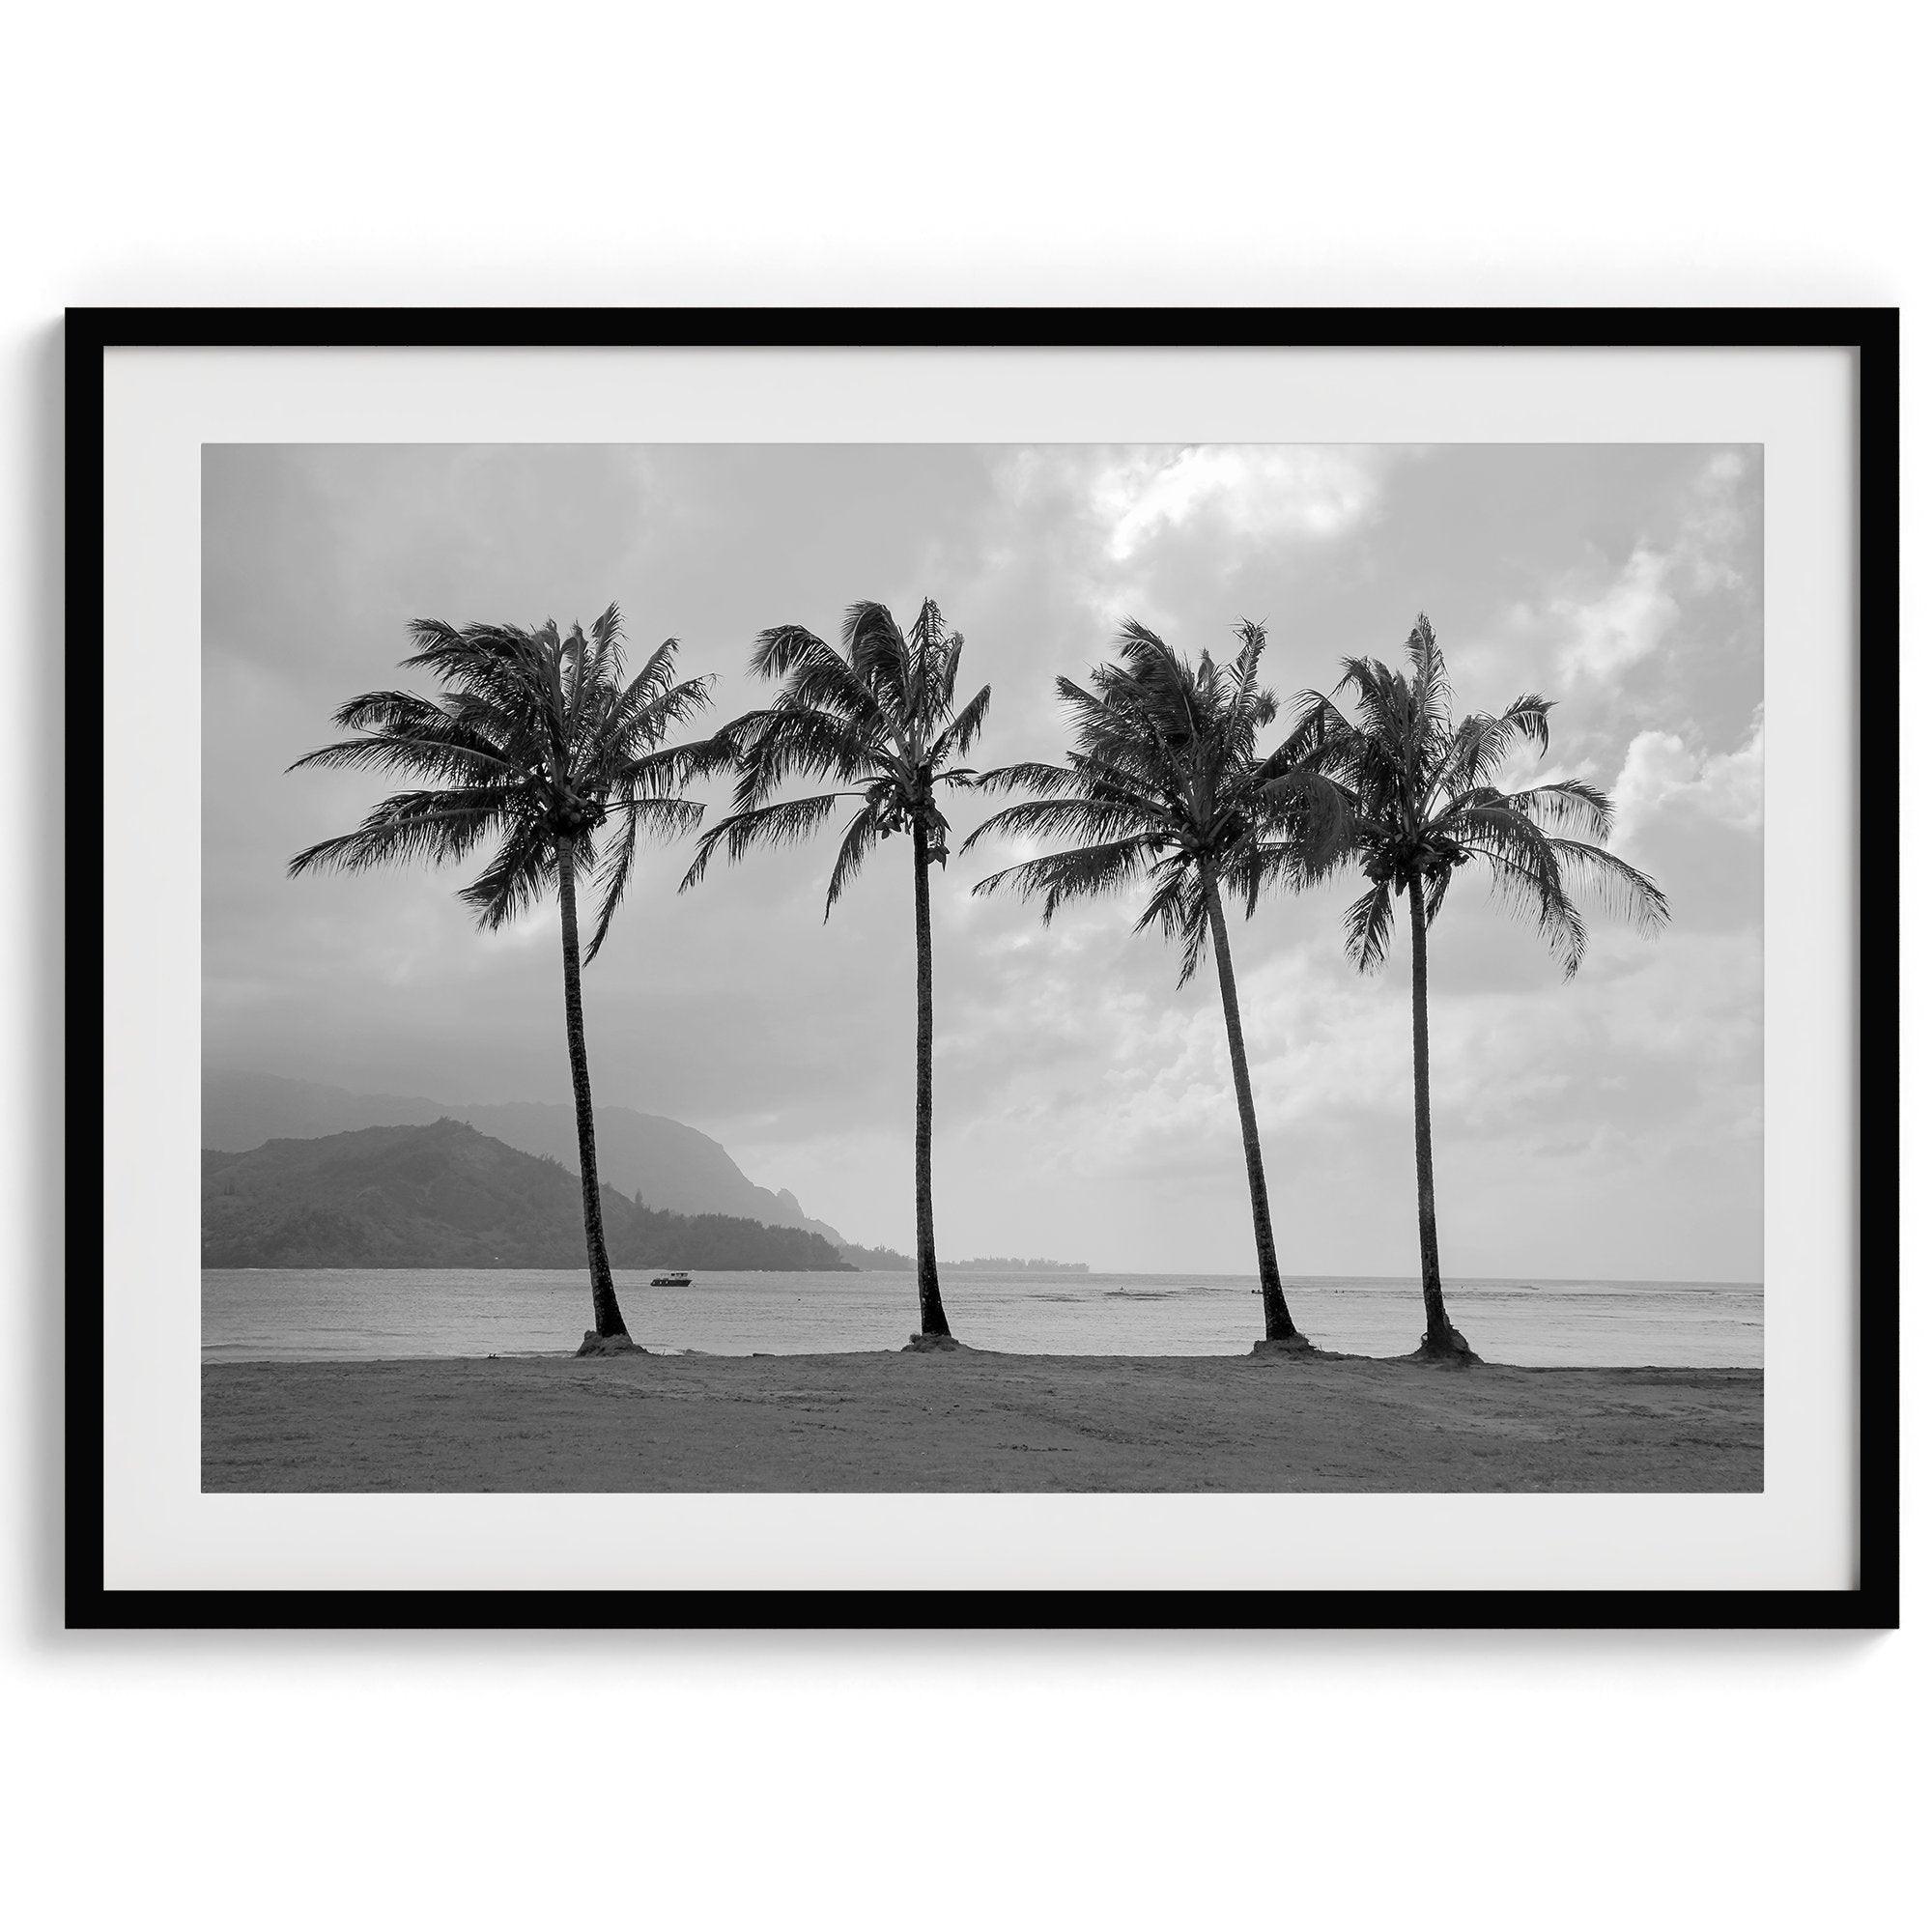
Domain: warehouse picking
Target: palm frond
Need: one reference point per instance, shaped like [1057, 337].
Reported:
[1478, 747]
[1318, 731]
[1306, 812]
[956, 740]
[785, 823]
[861, 833]
[612, 742]
[797, 741]
[1615, 884]
[816, 676]
[637, 700]
[1178, 906]
[779, 650]
[436, 825]
[1527, 891]
[1366, 926]
[1566, 805]
[934, 660]
[418, 757]
[594, 664]
[876, 648]
[1087, 817]
[1428, 687]
[668, 768]
[513, 880]
[634, 818]
[1083, 873]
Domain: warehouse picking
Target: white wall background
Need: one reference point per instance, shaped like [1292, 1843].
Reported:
[398, 153]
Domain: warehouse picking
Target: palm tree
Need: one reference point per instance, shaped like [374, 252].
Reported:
[877, 719]
[1421, 789]
[537, 742]
[1166, 784]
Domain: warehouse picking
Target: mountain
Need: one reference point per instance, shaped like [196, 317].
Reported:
[446, 1196]
[669, 1164]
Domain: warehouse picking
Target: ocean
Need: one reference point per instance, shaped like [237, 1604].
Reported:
[369, 1314]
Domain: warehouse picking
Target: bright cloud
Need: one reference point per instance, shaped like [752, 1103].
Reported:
[1140, 529]
[1251, 492]
[1666, 770]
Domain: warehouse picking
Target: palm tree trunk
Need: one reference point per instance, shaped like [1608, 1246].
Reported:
[602, 1291]
[931, 1310]
[1440, 1337]
[1274, 1304]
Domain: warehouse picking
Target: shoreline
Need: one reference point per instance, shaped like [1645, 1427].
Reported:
[972, 1422]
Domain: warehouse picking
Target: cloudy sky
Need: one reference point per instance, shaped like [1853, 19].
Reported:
[1609, 1126]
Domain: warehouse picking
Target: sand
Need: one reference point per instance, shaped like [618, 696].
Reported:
[974, 1422]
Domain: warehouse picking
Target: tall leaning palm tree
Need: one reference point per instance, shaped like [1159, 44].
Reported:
[540, 746]
[1421, 789]
[1166, 784]
[877, 718]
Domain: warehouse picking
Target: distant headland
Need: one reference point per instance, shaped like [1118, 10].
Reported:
[890, 1260]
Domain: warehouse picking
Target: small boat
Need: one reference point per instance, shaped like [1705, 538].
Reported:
[676, 1278]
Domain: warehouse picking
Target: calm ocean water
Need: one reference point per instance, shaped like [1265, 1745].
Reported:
[254, 1314]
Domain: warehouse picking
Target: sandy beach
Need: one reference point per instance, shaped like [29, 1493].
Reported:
[972, 1422]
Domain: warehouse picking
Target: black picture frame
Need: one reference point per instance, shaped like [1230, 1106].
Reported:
[1871, 333]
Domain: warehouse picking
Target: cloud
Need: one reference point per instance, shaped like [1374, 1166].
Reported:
[1311, 493]
[1143, 529]
[1714, 526]
[1099, 1076]
[1604, 633]
[1607, 634]
[1668, 770]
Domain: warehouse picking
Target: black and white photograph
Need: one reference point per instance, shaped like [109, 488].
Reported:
[956, 967]
[983, 967]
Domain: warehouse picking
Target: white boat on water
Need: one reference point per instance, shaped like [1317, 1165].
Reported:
[676, 1278]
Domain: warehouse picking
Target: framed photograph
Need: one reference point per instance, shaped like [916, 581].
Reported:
[1003, 967]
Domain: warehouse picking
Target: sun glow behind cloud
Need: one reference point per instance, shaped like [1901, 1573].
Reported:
[1255, 494]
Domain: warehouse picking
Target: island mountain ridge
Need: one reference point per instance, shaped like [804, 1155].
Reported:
[670, 1165]
[445, 1194]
